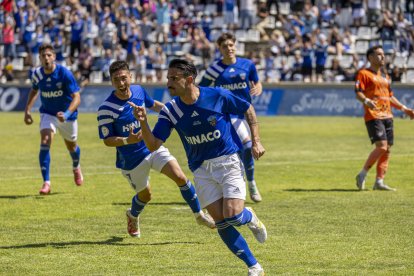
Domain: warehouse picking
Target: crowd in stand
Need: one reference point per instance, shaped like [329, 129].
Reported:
[310, 41]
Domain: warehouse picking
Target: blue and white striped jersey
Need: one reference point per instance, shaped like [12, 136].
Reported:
[115, 118]
[56, 90]
[235, 77]
[204, 127]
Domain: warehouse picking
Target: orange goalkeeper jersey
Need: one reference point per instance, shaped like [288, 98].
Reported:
[377, 87]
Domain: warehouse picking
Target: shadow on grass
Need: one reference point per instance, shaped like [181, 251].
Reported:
[151, 203]
[321, 190]
[26, 196]
[111, 241]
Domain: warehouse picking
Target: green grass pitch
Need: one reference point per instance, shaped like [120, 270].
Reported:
[317, 222]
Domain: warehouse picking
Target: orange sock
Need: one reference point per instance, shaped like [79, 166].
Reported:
[373, 157]
[382, 165]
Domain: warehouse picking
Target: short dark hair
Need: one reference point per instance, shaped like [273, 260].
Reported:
[45, 47]
[373, 49]
[187, 67]
[225, 36]
[118, 65]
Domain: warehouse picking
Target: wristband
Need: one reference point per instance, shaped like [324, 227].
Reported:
[67, 114]
[125, 141]
[366, 100]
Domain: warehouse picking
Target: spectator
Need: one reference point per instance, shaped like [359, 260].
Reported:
[358, 12]
[296, 71]
[106, 63]
[9, 51]
[76, 36]
[247, 14]
[387, 26]
[35, 44]
[108, 34]
[336, 73]
[146, 29]
[159, 62]
[374, 11]
[396, 73]
[335, 40]
[321, 54]
[163, 20]
[230, 14]
[262, 16]
[140, 64]
[307, 64]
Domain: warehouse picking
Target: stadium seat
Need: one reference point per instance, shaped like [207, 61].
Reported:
[410, 62]
[18, 64]
[241, 35]
[410, 76]
[240, 49]
[400, 60]
[364, 32]
[96, 77]
[253, 35]
[21, 51]
[284, 8]
[345, 61]
[361, 46]
[388, 46]
[218, 22]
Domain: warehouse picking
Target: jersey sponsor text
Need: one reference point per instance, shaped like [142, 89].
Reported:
[203, 138]
[52, 94]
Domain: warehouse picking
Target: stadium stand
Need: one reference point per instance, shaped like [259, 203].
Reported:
[140, 31]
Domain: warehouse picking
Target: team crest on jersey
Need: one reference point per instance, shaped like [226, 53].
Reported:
[105, 131]
[243, 76]
[212, 120]
[59, 85]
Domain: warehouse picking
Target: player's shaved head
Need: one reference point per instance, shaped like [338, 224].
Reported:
[117, 66]
[184, 66]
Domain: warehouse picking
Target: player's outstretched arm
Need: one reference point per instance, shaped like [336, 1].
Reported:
[397, 104]
[257, 147]
[30, 102]
[150, 140]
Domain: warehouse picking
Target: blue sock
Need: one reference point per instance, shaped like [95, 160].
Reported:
[236, 243]
[44, 161]
[75, 157]
[189, 194]
[137, 206]
[248, 161]
[241, 219]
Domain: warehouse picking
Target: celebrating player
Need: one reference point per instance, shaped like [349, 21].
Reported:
[373, 89]
[201, 116]
[239, 75]
[118, 128]
[60, 99]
